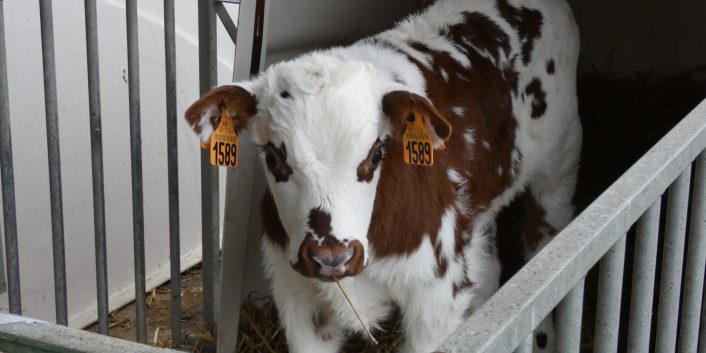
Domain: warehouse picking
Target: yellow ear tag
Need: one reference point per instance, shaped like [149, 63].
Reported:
[417, 142]
[224, 143]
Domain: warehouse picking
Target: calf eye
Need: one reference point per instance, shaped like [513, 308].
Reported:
[276, 161]
[270, 160]
[377, 156]
[366, 168]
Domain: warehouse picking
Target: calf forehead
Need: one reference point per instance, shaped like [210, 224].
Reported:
[327, 109]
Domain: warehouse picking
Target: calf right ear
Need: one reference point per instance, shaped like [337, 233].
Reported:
[205, 114]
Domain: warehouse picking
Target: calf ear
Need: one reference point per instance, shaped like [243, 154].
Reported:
[398, 105]
[204, 115]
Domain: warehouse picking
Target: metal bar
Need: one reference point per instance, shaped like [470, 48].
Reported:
[643, 279]
[230, 27]
[138, 215]
[8, 182]
[97, 164]
[172, 171]
[228, 1]
[568, 321]
[539, 286]
[695, 262]
[22, 334]
[526, 345]
[610, 281]
[52, 118]
[672, 257]
[702, 333]
[209, 174]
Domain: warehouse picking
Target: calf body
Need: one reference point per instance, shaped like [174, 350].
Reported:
[494, 82]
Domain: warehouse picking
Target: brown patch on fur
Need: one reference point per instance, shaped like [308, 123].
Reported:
[523, 219]
[276, 162]
[527, 22]
[238, 103]
[551, 67]
[460, 286]
[271, 223]
[320, 222]
[539, 98]
[482, 32]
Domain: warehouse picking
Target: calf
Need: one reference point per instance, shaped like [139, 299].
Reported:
[493, 84]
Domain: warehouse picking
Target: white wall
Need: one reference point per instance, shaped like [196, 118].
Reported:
[30, 157]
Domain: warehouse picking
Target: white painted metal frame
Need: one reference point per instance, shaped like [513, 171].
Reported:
[504, 322]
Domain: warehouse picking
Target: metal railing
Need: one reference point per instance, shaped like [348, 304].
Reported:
[210, 196]
[554, 278]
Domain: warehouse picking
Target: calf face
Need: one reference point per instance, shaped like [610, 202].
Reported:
[322, 126]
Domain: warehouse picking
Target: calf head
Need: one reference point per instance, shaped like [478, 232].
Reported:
[322, 125]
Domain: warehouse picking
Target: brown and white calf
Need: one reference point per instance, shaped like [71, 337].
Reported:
[493, 81]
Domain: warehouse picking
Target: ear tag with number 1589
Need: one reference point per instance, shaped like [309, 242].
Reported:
[417, 143]
[224, 143]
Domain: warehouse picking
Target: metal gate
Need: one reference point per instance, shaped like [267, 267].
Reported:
[554, 278]
[21, 334]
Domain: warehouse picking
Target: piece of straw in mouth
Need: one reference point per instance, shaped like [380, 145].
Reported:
[355, 311]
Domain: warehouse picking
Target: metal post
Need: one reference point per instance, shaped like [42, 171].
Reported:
[672, 256]
[643, 279]
[138, 218]
[702, 333]
[526, 345]
[610, 281]
[695, 263]
[209, 174]
[97, 164]
[568, 321]
[172, 171]
[8, 182]
[57, 212]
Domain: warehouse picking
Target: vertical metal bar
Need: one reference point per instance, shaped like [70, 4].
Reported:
[209, 174]
[8, 182]
[57, 212]
[97, 164]
[672, 256]
[526, 345]
[610, 281]
[138, 218]
[695, 262]
[172, 171]
[643, 279]
[568, 321]
[702, 334]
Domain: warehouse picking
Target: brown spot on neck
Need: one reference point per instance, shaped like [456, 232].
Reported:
[539, 98]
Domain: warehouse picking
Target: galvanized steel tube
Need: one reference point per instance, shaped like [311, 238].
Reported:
[52, 118]
[172, 171]
[610, 281]
[568, 321]
[702, 333]
[672, 257]
[643, 279]
[138, 214]
[695, 263]
[97, 164]
[9, 215]
[526, 345]
[209, 174]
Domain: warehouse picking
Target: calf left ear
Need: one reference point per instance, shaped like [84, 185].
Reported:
[204, 114]
[399, 105]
